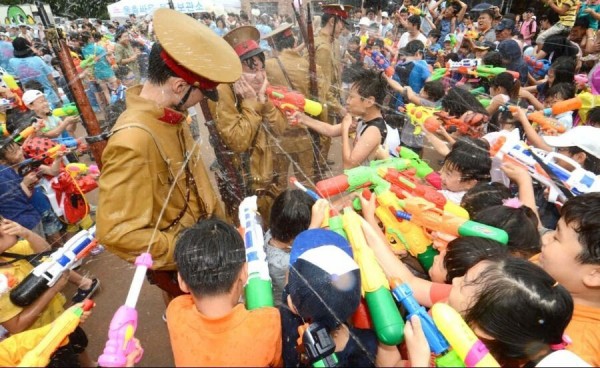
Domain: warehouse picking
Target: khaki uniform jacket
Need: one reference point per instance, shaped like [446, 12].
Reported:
[296, 138]
[136, 178]
[242, 125]
[328, 58]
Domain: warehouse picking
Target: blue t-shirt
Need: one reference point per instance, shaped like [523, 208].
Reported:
[34, 68]
[14, 203]
[593, 21]
[6, 53]
[445, 26]
[102, 68]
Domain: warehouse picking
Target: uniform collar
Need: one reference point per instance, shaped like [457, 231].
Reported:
[164, 114]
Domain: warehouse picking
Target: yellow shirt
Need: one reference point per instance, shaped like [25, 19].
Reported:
[19, 270]
[568, 19]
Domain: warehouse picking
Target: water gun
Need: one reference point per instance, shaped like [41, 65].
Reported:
[317, 344]
[472, 34]
[7, 281]
[538, 68]
[336, 224]
[69, 109]
[539, 118]
[61, 328]
[444, 355]
[439, 73]
[79, 168]
[27, 132]
[292, 101]
[47, 273]
[387, 322]
[88, 62]
[299, 185]
[358, 177]
[382, 63]
[258, 290]
[453, 124]
[33, 163]
[418, 115]
[582, 81]
[124, 323]
[425, 214]
[403, 182]
[423, 170]
[405, 234]
[460, 336]
[11, 84]
[576, 181]
[416, 11]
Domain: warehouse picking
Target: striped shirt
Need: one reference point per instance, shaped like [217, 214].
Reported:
[568, 19]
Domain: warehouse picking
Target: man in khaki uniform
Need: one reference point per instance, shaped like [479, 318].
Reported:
[247, 122]
[289, 69]
[153, 182]
[328, 58]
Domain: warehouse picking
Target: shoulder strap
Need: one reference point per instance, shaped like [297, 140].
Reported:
[379, 124]
[144, 128]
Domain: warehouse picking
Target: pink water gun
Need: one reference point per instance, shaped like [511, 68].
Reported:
[124, 322]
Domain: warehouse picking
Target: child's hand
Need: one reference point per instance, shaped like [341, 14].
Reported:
[368, 206]
[30, 179]
[318, 213]
[135, 354]
[294, 118]
[347, 123]
[516, 173]
[13, 228]
[416, 343]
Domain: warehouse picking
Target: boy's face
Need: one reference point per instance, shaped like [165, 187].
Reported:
[355, 104]
[40, 105]
[560, 249]
[451, 180]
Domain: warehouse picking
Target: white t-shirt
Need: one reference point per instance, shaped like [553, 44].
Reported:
[562, 358]
[405, 38]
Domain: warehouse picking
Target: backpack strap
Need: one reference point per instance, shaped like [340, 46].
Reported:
[380, 124]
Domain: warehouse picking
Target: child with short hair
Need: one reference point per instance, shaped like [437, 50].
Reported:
[467, 164]
[290, 215]
[571, 255]
[363, 103]
[209, 326]
[54, 127]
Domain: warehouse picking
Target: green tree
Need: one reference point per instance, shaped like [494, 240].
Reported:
[71, 8]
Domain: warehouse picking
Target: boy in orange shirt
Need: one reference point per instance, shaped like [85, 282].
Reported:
[210, 327]
[571, 255]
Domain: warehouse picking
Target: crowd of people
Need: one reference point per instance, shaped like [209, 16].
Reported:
[443, 113]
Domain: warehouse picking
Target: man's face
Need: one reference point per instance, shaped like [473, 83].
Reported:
[339, 27]
[560, 249]
[484, 21]
[502, 35]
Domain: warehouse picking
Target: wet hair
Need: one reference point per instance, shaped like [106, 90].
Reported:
[326, 16]
[291, 212]
[521, 307]
[502, 117]
[251, 62]
[85, 37]
[453, 56]
[158, 71]
[564, 72]
[209, 257]
[563, 91]
[435, 90]
[370, 83]
[484, 195]
[33, 84]
[471, 158]
[582, 213]
[283, 42]
[493, 58]
[465, 252]
[520, 224]
[594, 116]
[6, 146]
[509, 83]
[458, 101]
[434, 33]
